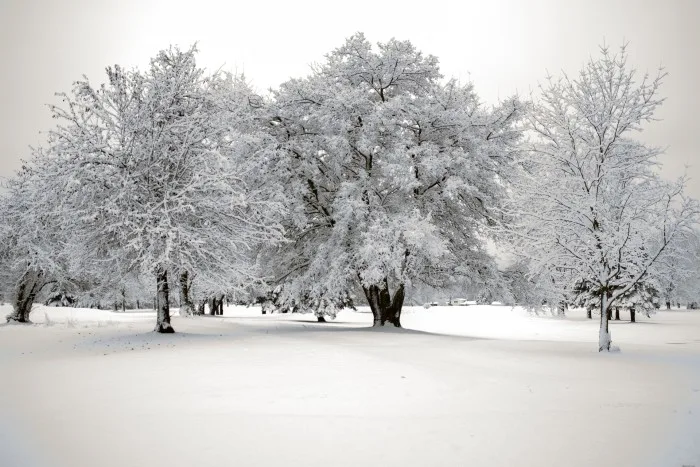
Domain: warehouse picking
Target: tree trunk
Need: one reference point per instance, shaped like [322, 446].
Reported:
[123, 300]
[28, 287]
[617, 313]
[186, 305]
[633, 316]
[668, 305]
[163, 303]
[561, 309]
[138, 304]
[220, 309]
[212, 306]
[320, 318]
[609, 314]
[384, 307]
[604, 340]
[589, 312]
[200, 307]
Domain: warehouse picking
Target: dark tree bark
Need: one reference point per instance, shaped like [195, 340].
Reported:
[200, 307]
[212, 306]
[604, 340]
[589, 312]
[321, 319]
[617, 313]
[633, 316]
[609, 314]
[220, 306]
[186, 305]
[138, 304]
[385, 309]
[123, 300]
[29, 286]
[163, 303]
[668, 305]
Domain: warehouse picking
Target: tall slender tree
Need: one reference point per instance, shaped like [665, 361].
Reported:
[589, 207]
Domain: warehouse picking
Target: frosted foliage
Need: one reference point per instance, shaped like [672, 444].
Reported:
[389, 172]
[590, 214]
[28, 241]
[150, 175]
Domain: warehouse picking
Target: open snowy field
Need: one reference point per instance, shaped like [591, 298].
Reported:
[461, 386]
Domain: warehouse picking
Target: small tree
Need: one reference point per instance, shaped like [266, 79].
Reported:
[32, 243]
[589, 205]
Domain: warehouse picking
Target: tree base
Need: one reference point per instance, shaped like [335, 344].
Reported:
[321, 319]
[11, 319]
[164, 328]
[378, 324]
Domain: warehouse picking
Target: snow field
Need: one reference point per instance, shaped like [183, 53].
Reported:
[474, 386]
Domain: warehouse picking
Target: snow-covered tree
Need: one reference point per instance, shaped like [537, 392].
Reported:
[589, 208]
[677, 274]
[390, 174]
[148, 170]
[32, 244]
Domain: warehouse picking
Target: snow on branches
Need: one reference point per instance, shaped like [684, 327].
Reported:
[589, 207]
[151, 178]
[390, 174]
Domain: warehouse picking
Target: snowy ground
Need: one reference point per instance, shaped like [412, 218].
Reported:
[475, 386]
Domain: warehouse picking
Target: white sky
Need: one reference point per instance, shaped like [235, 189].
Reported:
[503, 46]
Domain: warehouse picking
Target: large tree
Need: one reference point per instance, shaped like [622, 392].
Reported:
[390, 174]
[148, 168]
[589, 208]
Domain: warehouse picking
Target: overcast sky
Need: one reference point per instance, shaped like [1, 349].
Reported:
[504, 47]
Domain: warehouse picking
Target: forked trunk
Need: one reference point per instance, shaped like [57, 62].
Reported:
[186, 305]
[163, 303]
[30, 284]
[604, 339]
[385, 309]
